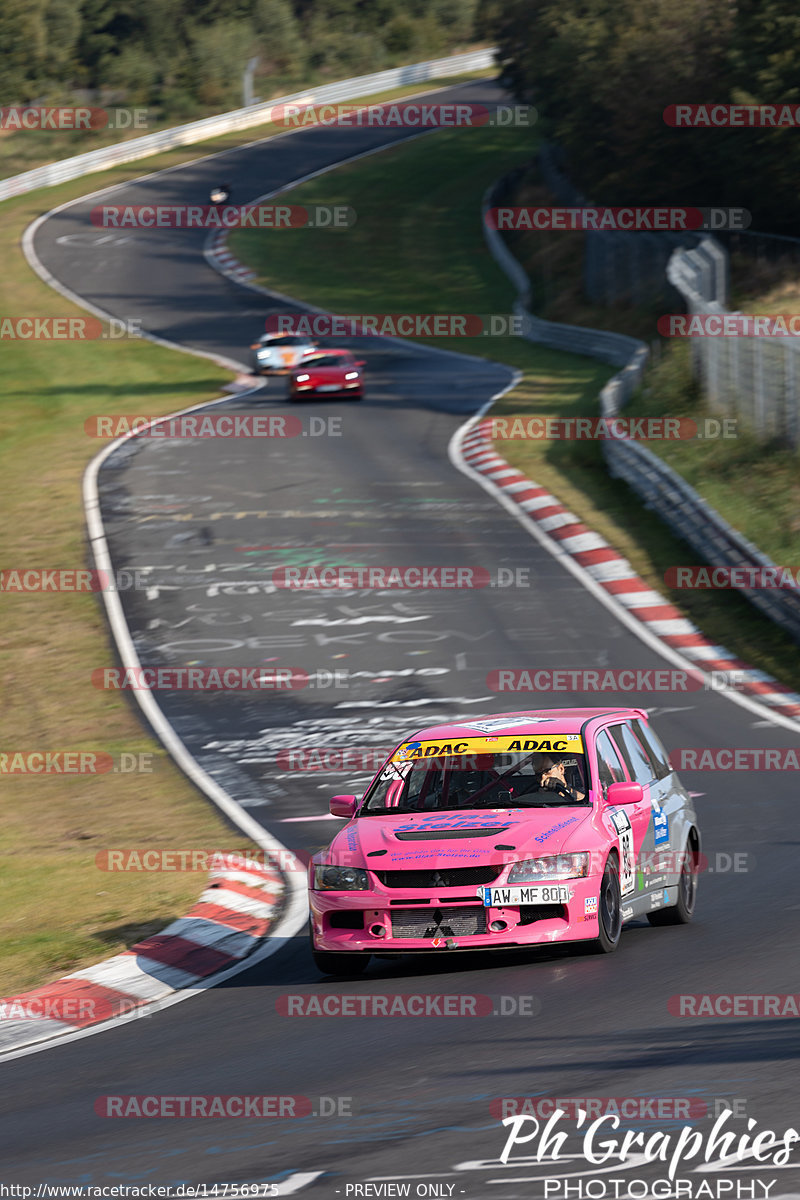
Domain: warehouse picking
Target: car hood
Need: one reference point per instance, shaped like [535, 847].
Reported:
[455, 838]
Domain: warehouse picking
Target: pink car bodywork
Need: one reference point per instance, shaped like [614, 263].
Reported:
[648, 827]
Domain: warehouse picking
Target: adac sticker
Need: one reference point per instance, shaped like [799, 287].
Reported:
[660, 827]
[554, 743]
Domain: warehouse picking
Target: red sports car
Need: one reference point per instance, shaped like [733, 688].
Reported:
[331, 372]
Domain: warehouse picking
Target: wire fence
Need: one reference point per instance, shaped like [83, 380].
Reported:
[755, 379]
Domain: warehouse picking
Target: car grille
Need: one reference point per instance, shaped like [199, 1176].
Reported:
[441, 877]
[529, 914]
[438, 922]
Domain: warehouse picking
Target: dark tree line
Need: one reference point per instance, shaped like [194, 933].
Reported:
[187, 56]
[601, 73]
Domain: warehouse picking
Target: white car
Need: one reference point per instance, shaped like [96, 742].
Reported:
[277, 353]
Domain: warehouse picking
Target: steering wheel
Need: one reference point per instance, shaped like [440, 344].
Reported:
[555, 785]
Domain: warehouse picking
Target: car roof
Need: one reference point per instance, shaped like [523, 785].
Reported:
[524, 722]
[281, 333]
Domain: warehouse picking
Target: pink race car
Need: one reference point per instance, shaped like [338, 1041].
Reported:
[505, 832]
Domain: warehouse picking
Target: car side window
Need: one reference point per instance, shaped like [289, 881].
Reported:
[633, 754]
[655, 751]
[609, 767]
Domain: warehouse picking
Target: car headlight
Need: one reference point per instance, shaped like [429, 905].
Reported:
[556, 866]
[301, 378]
[351, 375]
[340, 879]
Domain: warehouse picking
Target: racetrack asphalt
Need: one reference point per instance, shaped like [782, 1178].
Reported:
[209, 520]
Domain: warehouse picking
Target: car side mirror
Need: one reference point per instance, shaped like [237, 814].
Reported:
[360, 362]
[624, 793]
[343, 806]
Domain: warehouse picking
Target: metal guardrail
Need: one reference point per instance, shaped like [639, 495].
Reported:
[240, 118]
[663, 491]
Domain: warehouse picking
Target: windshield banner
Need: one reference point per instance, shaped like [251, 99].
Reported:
[553, 743]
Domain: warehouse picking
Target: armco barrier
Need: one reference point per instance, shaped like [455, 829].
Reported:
[662, 489]
[240, 118]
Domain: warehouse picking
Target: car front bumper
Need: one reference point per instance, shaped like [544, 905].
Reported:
[412, 922]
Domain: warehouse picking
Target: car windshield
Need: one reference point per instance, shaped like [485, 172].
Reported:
[329, 360]
[479, 780]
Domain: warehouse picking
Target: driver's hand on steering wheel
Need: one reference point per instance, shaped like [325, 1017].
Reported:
[553, 776]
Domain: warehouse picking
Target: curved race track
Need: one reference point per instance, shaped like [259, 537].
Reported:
[206, 518]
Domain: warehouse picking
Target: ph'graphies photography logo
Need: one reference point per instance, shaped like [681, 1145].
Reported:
[721, 1146]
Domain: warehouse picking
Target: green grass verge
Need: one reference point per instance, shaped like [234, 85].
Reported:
[418, 246]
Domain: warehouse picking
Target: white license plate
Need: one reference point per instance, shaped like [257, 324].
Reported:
[328, 387]
[524, 893]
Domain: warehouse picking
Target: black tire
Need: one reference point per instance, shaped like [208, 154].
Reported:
[330, 963]
[609, 914]
[682, 912]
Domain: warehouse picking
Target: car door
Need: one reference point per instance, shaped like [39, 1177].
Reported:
[629, 820]
[671, 808]
[654, 819]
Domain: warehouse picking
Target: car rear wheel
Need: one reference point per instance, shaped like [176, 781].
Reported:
[682, 912]
[609, 914]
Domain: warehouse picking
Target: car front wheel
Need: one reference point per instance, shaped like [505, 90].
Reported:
[340, 964]
[609, 914]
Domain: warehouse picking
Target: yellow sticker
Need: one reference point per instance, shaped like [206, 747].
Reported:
[553, 743]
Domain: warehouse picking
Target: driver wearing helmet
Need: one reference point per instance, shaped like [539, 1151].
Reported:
[551, 773]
